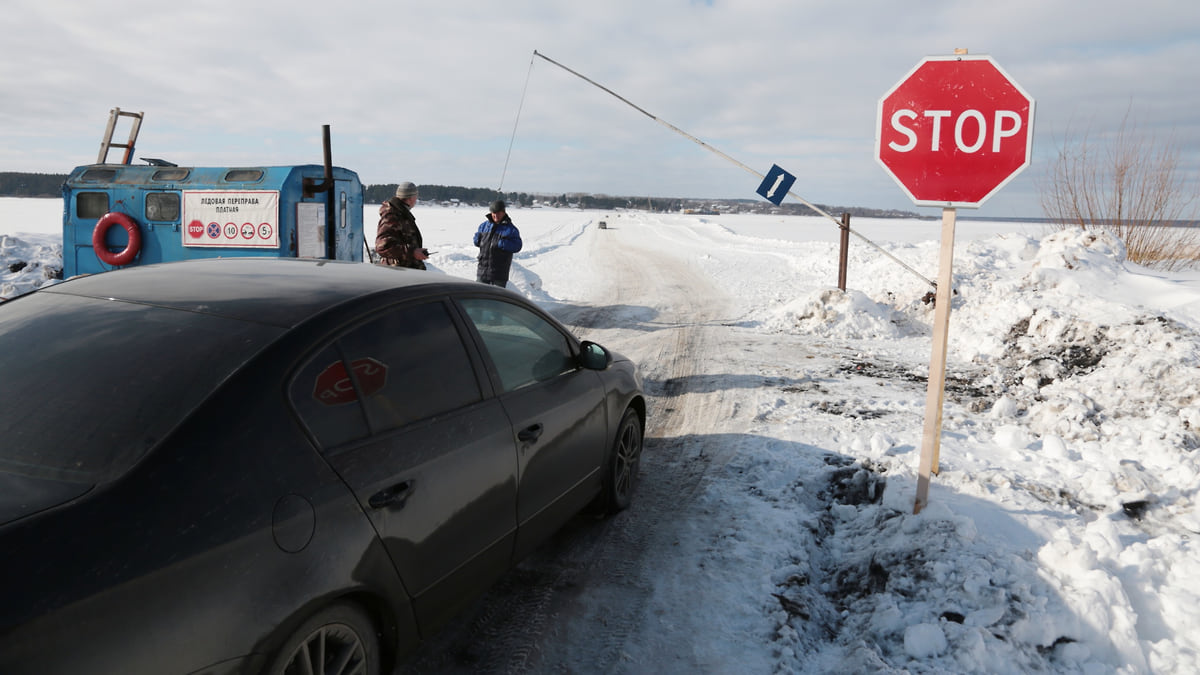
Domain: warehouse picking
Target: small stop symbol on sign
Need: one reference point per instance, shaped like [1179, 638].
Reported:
[954, 130]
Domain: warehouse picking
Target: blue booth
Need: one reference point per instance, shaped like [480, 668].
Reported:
[118, 215]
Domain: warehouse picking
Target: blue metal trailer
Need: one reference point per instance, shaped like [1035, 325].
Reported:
[120, 215]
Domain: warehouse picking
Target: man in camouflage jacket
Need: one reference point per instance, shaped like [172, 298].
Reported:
[398, 241]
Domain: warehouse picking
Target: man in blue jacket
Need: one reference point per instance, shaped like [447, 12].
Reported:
[498, 239]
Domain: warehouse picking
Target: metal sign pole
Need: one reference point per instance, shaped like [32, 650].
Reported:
[843, 251]
[931, 440]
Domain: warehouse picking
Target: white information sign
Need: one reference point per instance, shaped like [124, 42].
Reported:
[310, 228]
[231, 218]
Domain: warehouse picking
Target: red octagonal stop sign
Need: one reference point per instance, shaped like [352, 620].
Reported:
[954, 130]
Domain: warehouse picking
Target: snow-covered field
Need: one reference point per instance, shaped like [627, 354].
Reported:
[1061, 531]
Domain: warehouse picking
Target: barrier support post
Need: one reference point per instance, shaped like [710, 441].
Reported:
[844, 251]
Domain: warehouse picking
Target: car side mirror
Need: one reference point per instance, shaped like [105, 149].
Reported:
[593, 357]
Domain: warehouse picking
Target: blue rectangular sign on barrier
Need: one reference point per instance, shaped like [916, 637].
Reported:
[776, 185]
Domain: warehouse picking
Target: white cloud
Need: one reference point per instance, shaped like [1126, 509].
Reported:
[432, 92]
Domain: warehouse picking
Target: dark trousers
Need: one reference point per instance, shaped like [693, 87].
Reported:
[501, 284]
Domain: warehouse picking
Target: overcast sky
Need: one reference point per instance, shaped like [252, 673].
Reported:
[431, 93]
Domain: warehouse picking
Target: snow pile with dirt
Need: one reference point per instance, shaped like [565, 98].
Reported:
[19, 275]
[1088, 413]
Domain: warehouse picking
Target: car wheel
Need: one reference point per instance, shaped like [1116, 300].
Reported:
[623, 464]
[339, 640]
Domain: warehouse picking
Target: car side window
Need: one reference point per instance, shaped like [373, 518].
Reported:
[523, 346]
[325, 398]
[410, 364]
[406, 365]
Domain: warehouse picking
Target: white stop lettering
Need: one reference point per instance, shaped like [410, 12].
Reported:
[1006, 124]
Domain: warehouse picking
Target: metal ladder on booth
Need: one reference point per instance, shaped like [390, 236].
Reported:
[113, 116]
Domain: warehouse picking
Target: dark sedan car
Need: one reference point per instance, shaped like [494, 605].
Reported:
[284, 466]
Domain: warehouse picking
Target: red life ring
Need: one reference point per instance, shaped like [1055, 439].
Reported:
[131, 249]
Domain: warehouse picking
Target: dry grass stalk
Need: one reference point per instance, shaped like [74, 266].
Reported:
[1133, 187]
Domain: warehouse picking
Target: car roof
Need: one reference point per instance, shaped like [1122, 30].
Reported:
[277, 291]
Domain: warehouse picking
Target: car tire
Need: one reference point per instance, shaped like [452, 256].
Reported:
[339, 639]
[623, 463]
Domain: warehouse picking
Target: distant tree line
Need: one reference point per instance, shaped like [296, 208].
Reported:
[18, 184]
[13, 184]
[377, 194]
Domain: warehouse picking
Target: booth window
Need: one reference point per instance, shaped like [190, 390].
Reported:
[162, 206]
[165, 175]
[91, 204]
[244, 175]
[98, 175]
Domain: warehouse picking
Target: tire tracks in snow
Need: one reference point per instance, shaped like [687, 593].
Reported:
[580, 602]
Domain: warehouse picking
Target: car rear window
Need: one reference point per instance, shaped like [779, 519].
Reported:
[90, 385]
[406, 365]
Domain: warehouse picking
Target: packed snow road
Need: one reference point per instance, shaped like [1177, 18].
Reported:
[624, 594]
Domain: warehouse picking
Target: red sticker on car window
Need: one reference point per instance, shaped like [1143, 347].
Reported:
[333, 385]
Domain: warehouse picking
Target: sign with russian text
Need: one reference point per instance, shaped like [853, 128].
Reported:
[231, 218]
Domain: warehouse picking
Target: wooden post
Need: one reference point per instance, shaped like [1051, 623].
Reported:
[931, 440]
[844, 254]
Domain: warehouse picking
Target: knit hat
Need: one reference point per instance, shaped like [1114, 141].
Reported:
[497, 206]
[406, 190]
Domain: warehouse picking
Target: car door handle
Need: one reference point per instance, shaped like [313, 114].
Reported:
[395, 495]
[531, 433]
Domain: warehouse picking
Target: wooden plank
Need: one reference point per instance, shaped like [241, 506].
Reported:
[931, 439]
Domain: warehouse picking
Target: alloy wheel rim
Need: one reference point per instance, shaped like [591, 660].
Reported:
[627, 458]
[335, 649]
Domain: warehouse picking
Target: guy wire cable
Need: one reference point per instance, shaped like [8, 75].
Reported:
[517, 121]
[710, 148]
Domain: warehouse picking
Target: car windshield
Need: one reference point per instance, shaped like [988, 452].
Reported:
[90, 385]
